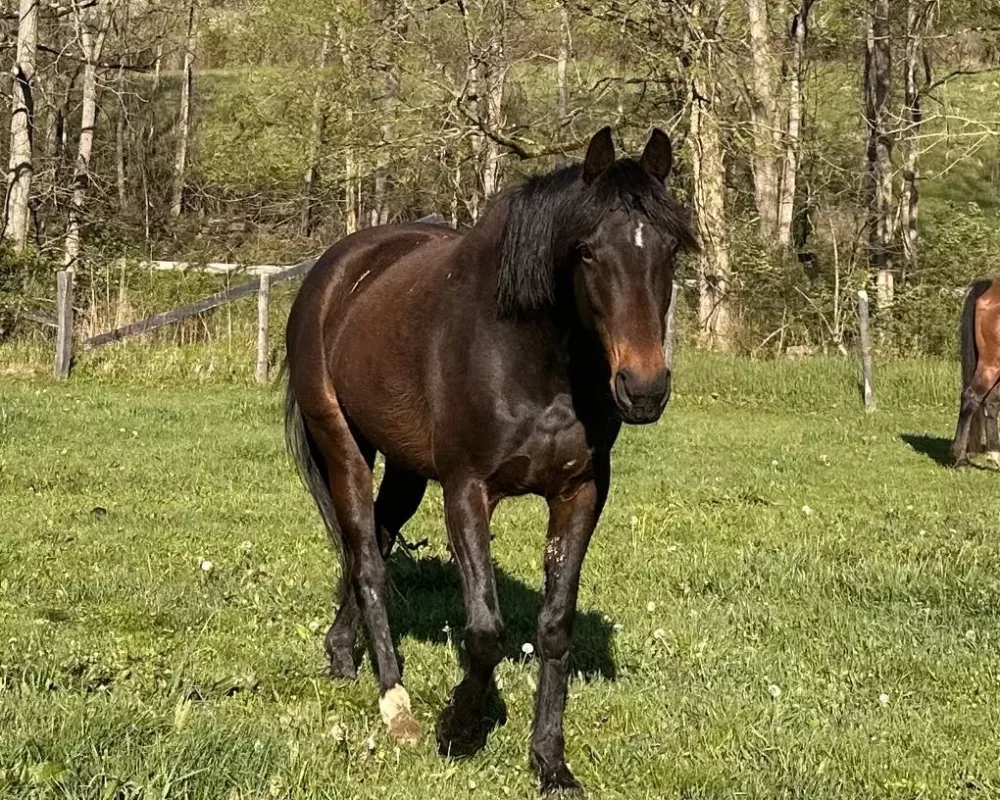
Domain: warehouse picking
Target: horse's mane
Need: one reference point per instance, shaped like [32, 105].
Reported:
[548, 215]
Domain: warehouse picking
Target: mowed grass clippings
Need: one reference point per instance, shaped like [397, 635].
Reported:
[785, 598]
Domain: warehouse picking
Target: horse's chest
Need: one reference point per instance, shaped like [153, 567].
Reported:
[553, 454]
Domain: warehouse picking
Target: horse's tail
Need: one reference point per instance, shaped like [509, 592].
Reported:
[970, 356]
[312, 469]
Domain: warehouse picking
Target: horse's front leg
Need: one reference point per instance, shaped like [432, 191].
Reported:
[462, 728]
[572, 518]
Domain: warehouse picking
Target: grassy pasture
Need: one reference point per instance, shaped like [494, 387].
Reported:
[785, 598]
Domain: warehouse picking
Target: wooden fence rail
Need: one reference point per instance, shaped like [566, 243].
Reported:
[267, 275]
[197, 307]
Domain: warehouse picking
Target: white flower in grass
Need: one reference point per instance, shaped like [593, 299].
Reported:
[651, 606]
[774, 462]
[807, 511]
[314, 625]
[527, 648]
[659, 633]
[883, 699]
[774, 690]
[206, 566]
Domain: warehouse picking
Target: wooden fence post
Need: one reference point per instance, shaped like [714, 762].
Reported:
[64, 324]
[668, 334]
[866, 351]
[262, 298]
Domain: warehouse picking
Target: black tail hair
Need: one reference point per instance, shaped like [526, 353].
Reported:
[970, 357]
[312, 470]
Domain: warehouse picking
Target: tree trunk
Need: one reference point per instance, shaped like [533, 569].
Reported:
[120, 171]
[17, 219]
[562, 62]
[708, 195]
[790, 165]
[317, 121]
[184, 116]
[471, 101]
[765, 122]
[92, 27]
[918, 20]
[351, 183]
[878, 153]
[494, 83]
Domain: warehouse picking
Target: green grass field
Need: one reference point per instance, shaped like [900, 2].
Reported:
[786, 598]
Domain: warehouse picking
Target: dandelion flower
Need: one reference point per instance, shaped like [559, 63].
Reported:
[527, 648]
[651, 606]
[774, 690]
[807, 511]
[883, 699]
[314, 626]
[206, 566]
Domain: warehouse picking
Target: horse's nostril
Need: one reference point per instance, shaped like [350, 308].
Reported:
[621, 388]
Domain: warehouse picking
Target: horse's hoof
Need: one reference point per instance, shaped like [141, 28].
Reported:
[458, 738]
[342, 666]
[394, 707]
[559, 782]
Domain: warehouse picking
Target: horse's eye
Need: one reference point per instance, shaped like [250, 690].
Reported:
[585, 253]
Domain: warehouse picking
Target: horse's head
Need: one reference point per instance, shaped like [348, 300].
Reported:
[600, 240]
[624, 269]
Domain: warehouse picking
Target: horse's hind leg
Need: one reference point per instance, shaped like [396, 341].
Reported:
[348, 461]
[990, 407]
[399, 497]
[973, 397]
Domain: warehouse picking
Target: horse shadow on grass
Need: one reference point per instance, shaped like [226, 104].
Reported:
[936, 448]
[425, 601]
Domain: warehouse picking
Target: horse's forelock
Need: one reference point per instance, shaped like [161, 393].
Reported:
[548, 215]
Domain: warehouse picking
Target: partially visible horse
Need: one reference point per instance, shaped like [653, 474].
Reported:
[980, 344]
[500, 362]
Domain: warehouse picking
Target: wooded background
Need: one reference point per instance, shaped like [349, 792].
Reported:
[824, 145]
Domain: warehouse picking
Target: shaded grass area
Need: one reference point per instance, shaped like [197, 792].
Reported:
[785, 598]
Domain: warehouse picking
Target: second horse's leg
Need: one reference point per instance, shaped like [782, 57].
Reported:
[990, 407]
[972, 398]
[399, 498]
[461, 729]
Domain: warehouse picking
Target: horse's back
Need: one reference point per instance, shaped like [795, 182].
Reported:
[340, 277]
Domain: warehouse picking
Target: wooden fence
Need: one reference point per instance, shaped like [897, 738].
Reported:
[270, 275]
[267, 276]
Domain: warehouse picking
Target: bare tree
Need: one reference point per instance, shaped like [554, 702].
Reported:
[797, 31]
[316, 124]
[352, 184]
[184, 115]
[764, 73]
[17, 216]
[707, 178]
[919, 19]
[92, 22]
[495, 68]
[878, 152]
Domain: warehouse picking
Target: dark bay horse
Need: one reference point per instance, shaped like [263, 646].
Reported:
[980, 344]
[500, 362]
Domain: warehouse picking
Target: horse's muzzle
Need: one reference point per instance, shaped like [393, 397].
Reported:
[641, 398]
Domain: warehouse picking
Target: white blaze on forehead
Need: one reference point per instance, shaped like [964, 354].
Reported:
[637, 236]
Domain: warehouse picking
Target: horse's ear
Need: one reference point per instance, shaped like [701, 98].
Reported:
[600, 154]
[658, 157]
